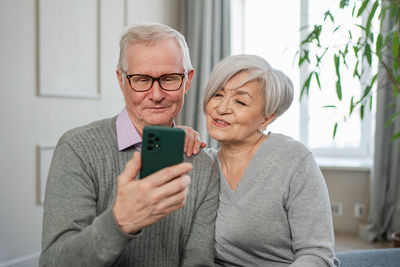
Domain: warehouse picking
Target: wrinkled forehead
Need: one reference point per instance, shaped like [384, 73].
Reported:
[243, 81]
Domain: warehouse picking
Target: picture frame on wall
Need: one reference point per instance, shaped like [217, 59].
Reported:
[68, 48]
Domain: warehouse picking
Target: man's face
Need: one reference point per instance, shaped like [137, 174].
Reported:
[155, 106]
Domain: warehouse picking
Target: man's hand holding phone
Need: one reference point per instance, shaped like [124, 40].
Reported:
[143, 202]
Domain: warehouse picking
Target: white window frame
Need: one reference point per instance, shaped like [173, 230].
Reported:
[363, 152]
[356, 157]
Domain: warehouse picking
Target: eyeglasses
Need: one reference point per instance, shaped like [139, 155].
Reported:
[168, 82]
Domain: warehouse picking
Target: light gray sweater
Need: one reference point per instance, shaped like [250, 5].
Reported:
[279, 214]
[79, 228]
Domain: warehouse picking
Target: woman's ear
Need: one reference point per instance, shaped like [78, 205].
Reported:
[268, 121]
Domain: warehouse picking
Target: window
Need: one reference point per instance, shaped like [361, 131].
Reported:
[272, 30]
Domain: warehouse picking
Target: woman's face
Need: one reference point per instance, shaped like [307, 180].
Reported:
[235, 115]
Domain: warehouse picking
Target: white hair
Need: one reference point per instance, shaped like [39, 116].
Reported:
[150, 33]
[277, 88]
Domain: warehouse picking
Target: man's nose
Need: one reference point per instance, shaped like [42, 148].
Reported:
[156, 92]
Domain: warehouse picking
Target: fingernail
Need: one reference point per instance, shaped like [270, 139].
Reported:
[186, 180]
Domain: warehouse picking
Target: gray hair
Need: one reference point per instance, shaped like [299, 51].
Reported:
[277, 88]
[148, 34]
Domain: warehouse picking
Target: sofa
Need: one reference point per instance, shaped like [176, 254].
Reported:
[387, 257]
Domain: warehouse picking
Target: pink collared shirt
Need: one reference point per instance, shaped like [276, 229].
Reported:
[127, 135]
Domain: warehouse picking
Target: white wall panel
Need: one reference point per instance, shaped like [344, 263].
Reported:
[68, 48]
[161, 11]
[80, 39]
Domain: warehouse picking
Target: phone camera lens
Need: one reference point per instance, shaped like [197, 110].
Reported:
[151, 135]
[149, 148]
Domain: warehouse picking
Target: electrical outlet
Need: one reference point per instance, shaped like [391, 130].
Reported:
[358, 210]
[337, 209]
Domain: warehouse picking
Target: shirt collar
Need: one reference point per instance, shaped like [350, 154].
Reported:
[127, 135]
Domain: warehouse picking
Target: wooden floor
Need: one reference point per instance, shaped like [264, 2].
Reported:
[346, 241]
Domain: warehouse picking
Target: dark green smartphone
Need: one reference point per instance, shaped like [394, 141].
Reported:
[161, 147]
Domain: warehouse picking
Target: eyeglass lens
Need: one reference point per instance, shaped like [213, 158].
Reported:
[144, 82]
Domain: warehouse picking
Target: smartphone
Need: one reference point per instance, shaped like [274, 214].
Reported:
[161, 147]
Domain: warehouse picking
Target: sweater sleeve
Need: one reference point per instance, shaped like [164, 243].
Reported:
[73, 234]
[199, 249]
[310, 218]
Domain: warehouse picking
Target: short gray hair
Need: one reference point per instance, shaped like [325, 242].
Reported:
[277, 88]
[148, 34]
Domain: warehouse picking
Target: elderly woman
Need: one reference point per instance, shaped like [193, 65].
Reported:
[274, 204]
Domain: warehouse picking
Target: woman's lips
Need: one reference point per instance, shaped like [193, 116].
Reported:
[221, 123]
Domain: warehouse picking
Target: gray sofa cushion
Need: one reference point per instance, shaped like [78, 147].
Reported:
[388, 257]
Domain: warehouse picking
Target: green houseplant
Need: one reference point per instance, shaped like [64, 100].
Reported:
[371, 47]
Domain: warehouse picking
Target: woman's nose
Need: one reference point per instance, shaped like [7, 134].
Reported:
[224, 106]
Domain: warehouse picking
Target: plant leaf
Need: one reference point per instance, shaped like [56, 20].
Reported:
[368, 54]
[389, 37]
[370, 102]
[334, 130]
[329, 106]
[339, 90]
[374, 79]
[343, 3]
[313, 35]
[362, 8]
[329, 14]
[371, 16]
[362, 112]
[319, 58]
[317, 78]
[304, 57]
[355, 73]
[306, 85]
[395, 49]
[336, 59]
[337, 28]
[392, 118]
[379, 45]
[366, 91]
[352, 105]
[397, 135]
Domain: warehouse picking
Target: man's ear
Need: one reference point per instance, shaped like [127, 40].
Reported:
[189, 80]
[119, 77]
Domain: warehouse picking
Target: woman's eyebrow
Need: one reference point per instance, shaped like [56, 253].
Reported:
[243, 92]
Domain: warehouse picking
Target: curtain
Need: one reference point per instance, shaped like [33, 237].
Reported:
[384, 215]
[207, 32]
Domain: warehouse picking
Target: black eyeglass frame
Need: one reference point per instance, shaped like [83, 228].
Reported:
[128, 77]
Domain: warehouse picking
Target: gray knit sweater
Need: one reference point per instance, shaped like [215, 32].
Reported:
[79, 228]
[279, 214]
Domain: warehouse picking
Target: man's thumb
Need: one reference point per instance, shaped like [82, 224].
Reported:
[132, 168]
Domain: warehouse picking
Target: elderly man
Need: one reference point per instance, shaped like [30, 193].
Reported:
[96, 212]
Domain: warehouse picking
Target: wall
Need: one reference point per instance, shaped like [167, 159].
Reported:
[348, 188]
[28, 120]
